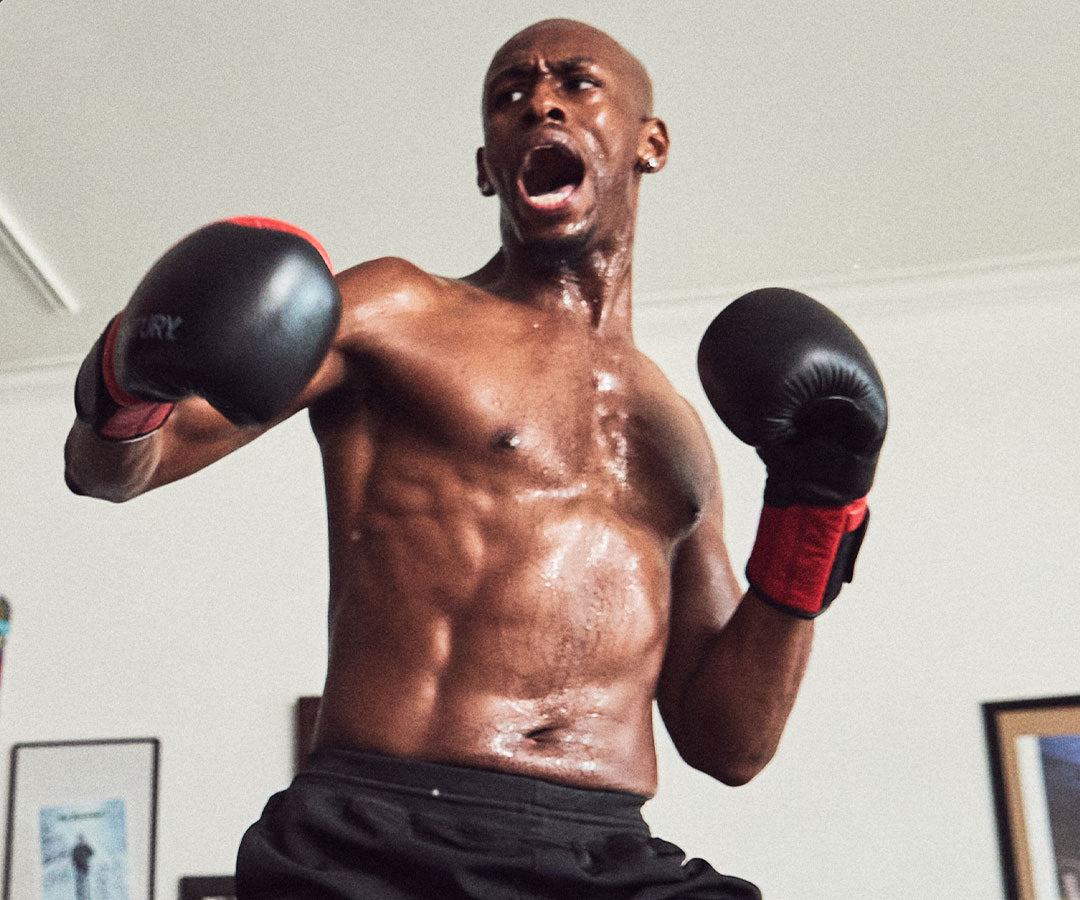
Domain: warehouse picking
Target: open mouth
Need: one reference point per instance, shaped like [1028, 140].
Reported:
[550, 175]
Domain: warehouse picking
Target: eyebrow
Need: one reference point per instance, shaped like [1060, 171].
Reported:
[527, 69]
[574, 63]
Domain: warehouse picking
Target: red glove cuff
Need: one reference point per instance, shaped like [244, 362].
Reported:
[803, 554]
[134, 417]
[279, 225]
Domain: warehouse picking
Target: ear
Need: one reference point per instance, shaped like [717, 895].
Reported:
[482, 180]
[653, 145]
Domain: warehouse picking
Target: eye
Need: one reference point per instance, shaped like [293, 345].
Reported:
[508, 96]
[581, 83]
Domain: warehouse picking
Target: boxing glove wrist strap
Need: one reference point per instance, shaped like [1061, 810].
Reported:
[113, 413]
[804, 554]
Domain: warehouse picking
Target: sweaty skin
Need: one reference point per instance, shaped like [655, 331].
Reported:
[525, 520]
[500, 572]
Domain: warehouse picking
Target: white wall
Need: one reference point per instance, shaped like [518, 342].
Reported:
[196, 614]
[808, 136]
[964, 594]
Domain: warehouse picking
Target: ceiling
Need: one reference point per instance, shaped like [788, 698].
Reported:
[809, 139]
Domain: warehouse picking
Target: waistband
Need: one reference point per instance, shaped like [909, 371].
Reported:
[468, 784]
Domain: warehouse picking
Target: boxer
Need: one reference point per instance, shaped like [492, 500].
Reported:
[525, 519]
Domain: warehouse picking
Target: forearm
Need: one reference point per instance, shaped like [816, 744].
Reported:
[194, 436]
[734, 706]
[109, 470]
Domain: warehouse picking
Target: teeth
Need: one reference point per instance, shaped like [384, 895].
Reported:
[553, 199]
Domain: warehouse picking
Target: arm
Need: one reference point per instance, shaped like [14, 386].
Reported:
[733, 665]
[194, 436]
[790, 378]
[240, 317]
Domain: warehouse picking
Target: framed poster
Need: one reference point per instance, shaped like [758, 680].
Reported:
[82, 820]
[1034, 750]
[208, 887]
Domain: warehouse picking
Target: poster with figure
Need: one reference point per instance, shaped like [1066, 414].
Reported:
[84, 851]
[82, 820]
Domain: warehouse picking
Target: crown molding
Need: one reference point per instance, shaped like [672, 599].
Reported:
[1031, 278]
[32, 263]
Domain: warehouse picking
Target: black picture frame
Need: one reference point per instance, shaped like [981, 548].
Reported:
[207, 887]
[66, 796]
[1034, 749]
[306, 711]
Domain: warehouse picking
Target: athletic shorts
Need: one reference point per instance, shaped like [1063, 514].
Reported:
[360, 826]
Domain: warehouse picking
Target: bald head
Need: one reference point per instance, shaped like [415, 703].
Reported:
[578, 40]
[568, 134]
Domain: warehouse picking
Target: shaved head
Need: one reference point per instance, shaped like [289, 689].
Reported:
[585, 41]
[568, 134]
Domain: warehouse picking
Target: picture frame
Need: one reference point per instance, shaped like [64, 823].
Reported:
[1034, 748]
[82, 819]
[208, 887]
[305, 713]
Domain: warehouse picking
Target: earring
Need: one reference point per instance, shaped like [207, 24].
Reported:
[649, 165]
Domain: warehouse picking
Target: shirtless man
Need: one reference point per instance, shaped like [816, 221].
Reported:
[524, 518]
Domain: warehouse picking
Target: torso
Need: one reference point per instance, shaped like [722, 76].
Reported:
[506, 490]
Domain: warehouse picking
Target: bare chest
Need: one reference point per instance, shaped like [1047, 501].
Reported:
[553, 410]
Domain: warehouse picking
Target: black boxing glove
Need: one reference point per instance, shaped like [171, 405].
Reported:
[788, 377]
[240, 312]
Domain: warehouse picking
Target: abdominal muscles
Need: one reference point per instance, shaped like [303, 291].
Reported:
[525, 637]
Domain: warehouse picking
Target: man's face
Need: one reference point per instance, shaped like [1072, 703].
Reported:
[566, 111]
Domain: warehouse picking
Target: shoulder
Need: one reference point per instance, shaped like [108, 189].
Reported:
[384, 279]
[388, 295]
[384, 302]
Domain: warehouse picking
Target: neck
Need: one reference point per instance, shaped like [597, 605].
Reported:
[594, 283]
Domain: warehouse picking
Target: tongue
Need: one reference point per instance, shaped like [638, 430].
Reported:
[552, 199]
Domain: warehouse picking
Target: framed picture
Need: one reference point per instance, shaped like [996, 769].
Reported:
[307, 708]
[208, 887]
[82, 820]
[1034, 750]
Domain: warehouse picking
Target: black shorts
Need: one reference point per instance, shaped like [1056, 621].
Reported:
[358, 826]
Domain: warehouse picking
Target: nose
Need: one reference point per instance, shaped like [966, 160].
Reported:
[544, 104]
